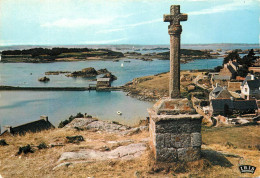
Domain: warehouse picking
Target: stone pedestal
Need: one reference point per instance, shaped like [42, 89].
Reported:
[175, 131]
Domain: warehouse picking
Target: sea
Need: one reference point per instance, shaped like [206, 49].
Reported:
[19, 107]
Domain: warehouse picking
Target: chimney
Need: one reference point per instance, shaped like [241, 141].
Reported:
[252, 77]
[44, 118]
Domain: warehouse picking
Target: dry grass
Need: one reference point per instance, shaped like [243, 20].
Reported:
[159, 84]
[218, 160]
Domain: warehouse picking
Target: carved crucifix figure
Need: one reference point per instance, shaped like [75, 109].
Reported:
[174, 30]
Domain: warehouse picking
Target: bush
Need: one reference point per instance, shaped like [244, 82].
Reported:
[75, 139]
[3, 142]
[42, 146]
[71, 118]
[25, 149]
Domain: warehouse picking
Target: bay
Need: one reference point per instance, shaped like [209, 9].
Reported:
[18, 107]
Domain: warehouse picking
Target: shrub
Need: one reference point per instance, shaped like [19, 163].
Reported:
[42, 146]
[71, 118]
[75, 139]
[3, 142]
[25, 149]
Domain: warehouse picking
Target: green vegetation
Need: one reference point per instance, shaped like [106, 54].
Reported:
[71, 118]
[45, 54]
[189, 53]
[246, 61]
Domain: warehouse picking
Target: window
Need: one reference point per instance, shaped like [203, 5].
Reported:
[245, 89]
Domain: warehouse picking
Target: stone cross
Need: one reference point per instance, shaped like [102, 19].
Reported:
[174, 30]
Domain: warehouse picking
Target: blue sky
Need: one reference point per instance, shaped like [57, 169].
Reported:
[71, 22]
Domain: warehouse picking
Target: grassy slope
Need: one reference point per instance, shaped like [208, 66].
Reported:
[158, 84]
[41, 163]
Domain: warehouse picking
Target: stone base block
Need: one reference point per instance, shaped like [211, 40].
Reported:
[174, 137]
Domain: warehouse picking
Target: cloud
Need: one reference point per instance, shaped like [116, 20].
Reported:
[220, 8]
[121, 28]
[75, 23]
[105, 41]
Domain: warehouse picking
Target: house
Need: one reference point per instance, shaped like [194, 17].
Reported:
[35, 126]
[221, 79]
[230, 106]
[219, 92]
[250, 88]
[103, 82]
[229, 69]
[234, 86]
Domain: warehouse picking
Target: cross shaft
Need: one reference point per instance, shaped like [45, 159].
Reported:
[174, 30]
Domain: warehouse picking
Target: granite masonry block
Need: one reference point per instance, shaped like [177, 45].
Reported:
[189, 154]
[196, 139]
[184, 128]
[180, 140]
[166, 127]
[195, 125]
[166, 155]
[159, 138]
[167, 140]
[178, 126]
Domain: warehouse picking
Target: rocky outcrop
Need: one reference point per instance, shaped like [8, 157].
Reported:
[102, 71]
[123, 152]
[44, 79]
[86, 72]
[111, 76]
[97, 125]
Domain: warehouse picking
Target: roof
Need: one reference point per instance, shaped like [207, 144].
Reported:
[231, 69]
[248, 77]
[103, 79]
[235, 64]
[220, 92]
[245, 104]
[218, 105]
[221, 77]
[34, 126]
[217, 89]
[254, 84]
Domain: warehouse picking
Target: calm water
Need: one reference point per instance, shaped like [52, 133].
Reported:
[24, 106]
[27, 74]
[18, 107]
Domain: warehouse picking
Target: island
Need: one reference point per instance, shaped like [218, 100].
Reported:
[42, 55]
[61, 54]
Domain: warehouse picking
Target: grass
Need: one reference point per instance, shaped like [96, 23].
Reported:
[243, 137]
[158, 84]
[219, 159]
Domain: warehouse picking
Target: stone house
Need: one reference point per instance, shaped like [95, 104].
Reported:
[219, 92]
[220, 79]
[234, 86]
[230, 69]
[231, 106]
[250, 88]
[103, 82]
[36, 126]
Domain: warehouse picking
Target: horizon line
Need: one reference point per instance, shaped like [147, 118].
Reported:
[129, 44]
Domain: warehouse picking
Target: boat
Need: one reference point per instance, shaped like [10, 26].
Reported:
[122, 65]
[119, 112]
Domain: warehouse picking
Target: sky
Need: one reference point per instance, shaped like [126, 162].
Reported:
[84, 22]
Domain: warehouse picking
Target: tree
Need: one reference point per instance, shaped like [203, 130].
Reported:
[231, 56]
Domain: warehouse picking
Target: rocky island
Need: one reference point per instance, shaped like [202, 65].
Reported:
[42, 55]
[56, 54]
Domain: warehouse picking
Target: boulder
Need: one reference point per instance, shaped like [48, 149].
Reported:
[111, 76]
[86, 72]
[102, 71]
[44, 79]
[89, 70]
